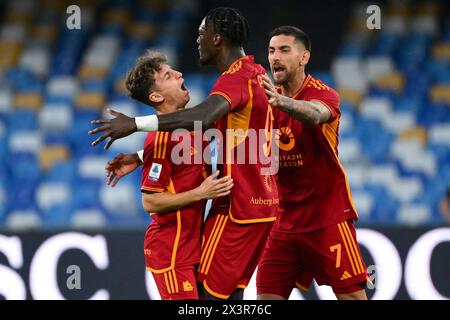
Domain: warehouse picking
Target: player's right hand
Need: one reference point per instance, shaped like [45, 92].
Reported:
[120, 166]
[119, 127]
[214, 188]
[275, 99]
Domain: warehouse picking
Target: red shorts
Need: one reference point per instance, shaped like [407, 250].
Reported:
[330, 255]
[230, 254]
[177, 284]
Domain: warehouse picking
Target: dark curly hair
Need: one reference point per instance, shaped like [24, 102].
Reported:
[140, 79]
[230, 24]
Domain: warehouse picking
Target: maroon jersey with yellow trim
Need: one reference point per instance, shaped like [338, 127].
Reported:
[254, 197]
[172, 238]
[313, 186]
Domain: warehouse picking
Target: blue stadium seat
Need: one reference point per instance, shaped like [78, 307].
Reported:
[62, 172]
[385, 44]
[78, 133]
[375, 140]
[25, 170]
[22, 120]
[350, 50]
[86, 194]
[57, 216]
[433, 113]
[438, 70]
[23, 196]
[21, 79]
[385, 206]
[325, 76]
[95, 85]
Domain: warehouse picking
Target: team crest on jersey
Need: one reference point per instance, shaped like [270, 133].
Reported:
[155, 171]
[285, 139]
[187, 286]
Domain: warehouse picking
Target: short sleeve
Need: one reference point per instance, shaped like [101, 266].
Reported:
[157, 166]
[232, 87]
[330, 99]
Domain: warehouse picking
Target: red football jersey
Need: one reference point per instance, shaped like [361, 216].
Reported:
[313, 186]
[172, 238]
[254, 197]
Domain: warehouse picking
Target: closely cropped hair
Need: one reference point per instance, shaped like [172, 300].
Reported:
[141, 78]
[230, 24]
[298, 34]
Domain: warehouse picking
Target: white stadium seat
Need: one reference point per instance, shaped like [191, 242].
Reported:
[21, 220]
[350, 151]
[92, 167]
[49, 194]
[413, 215]
[349, 74]
[377, 66]
[62, 86]
[88, 219]
[121, 199]
[25, 141]
[376, 108]
[440, 134]
[56, 118]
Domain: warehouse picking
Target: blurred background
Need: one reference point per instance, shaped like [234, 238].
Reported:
[394, 85]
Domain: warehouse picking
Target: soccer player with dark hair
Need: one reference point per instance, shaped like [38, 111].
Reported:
[314, 236]
[173, 193]
[237, 227]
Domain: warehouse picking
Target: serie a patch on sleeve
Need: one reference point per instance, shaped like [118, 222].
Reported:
[155, 171]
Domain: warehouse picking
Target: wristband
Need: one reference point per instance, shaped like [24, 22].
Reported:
[140, 154]
[147, 123]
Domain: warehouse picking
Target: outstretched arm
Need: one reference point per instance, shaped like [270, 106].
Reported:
[307, 112]
[211, 109]
[214, 107]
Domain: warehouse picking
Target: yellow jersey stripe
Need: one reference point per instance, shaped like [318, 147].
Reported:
[358, 256]
[166, 138]
[155, 147]
[209, 249]
[167, 283]
[172, 287]
[346, 248]
[208, 241]
[175, 280]
[352, 251]
[353, 248]
[215, 245]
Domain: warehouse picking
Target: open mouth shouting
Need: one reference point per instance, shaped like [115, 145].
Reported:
[183, 87]
[278, 70]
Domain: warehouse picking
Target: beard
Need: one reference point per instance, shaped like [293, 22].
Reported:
[282, 80]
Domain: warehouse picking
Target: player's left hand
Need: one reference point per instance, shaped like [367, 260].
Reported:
[119, 127]
[275, 99]
[120, 166]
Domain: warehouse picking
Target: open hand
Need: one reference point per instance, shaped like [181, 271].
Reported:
[275, 99]
[119, 127]
[120, 166]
